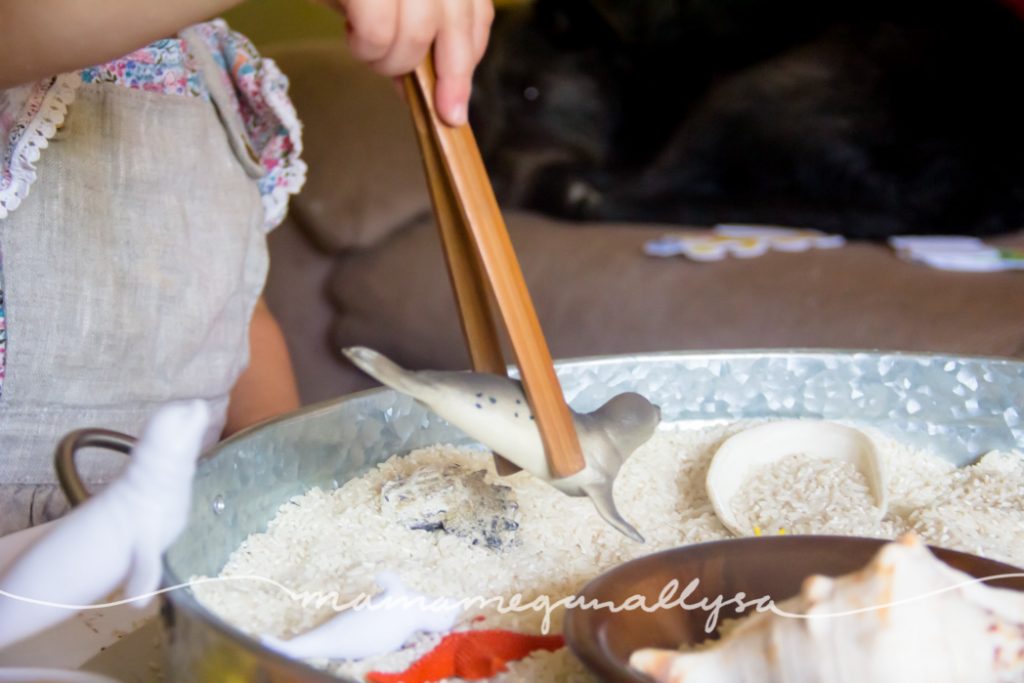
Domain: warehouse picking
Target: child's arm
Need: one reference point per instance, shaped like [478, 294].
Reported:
[267, 387]
[40, 38]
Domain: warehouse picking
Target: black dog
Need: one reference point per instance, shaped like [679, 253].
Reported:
[866, 118]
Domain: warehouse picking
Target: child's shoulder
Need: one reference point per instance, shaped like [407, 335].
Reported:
[186, 65]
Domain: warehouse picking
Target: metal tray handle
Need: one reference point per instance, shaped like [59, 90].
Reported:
[67, 473]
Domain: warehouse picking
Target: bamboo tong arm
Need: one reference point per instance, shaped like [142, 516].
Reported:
[465, 272]
[481, 263]
[469, 283]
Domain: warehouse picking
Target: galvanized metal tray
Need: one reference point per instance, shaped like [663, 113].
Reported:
[959, 407]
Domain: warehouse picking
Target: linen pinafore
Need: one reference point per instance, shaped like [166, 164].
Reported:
[130, 274]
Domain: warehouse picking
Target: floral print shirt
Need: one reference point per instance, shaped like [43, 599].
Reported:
[31, 114]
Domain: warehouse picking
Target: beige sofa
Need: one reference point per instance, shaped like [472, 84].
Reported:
[358, 262]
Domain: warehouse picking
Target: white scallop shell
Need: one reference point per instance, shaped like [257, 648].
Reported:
[742, 453]
[907, 616]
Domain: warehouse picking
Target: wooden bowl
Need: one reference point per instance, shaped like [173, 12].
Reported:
[759, 566]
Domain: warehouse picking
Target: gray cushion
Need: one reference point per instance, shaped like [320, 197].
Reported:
[365, 175]
[596, 293]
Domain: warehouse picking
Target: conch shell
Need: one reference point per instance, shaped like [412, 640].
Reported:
[907, 616]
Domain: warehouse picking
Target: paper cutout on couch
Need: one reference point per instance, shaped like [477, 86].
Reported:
[741, 241]
[957, 253]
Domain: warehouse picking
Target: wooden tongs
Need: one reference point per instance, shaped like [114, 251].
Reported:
[482, 264]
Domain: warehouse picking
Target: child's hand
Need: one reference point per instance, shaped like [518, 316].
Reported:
[394, 36]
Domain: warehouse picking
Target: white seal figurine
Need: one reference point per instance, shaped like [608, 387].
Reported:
[380, 627]
[493, 410]
[114, 539]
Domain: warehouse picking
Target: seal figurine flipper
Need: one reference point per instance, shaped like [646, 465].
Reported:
[493, 410]
[601, 497]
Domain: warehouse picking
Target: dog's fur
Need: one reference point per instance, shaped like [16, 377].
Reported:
[863, 117]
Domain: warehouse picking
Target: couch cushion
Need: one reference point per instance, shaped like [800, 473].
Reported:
[596, 293]
[365, 176]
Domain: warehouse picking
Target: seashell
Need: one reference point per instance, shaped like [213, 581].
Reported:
[742, 453]
[452, 500]
[907, 616]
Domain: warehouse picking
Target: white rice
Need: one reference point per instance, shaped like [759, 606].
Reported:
[339, 540]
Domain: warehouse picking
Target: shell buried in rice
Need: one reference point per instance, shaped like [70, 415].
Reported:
[907, 616]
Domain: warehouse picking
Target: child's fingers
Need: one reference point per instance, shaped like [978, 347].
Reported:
[372, 27]
[483, 17]
[454, 59]
[394, 36]
[418, 22]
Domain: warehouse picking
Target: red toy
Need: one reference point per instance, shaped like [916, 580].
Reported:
[471, 656]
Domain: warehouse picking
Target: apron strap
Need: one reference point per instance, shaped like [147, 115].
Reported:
[229, 116]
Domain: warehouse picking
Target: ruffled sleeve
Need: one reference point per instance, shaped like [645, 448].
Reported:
[29, 116]
[260, 92]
